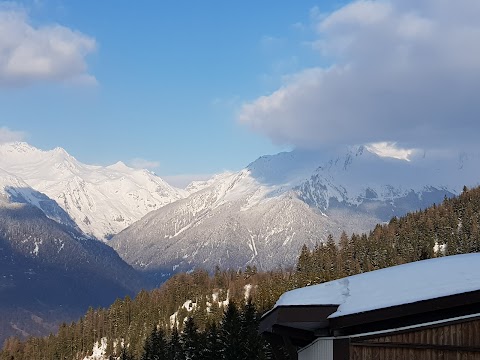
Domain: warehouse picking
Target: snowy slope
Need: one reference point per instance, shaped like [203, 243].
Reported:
[228, 226]
[385, 187]
[263, 214]
[15, 190]
[101, 200]
[392, 286]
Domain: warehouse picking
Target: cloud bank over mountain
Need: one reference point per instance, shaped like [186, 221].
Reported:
[7, 135]
[399, 71]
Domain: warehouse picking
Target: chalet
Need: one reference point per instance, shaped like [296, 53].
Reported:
[428, 309]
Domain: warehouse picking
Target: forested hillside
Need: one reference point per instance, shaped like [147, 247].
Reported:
[197, 300]
[50, 272]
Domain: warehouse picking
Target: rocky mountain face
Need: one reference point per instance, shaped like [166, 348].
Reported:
[51, 272]
[263, 214]
[102, 201]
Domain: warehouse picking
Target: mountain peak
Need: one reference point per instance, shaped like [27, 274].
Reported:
[120, 166]
[101, 200]
[18, 147]
[61, 151]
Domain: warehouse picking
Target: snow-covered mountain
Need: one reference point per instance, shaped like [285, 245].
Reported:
[15, 190]
[263, 214]
[101, 200]
[47, 263]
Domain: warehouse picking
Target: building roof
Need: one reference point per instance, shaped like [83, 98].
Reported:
[405, 295]
[398, 285]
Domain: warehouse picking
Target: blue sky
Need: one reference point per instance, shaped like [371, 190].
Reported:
[197, 87]
[171, 76]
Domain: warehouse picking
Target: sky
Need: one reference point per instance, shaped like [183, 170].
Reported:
[192, 88]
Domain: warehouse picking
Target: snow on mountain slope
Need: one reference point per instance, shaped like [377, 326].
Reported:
[101, 200]
[263, 214]
[15, 190]
[388, 187]
[230, 224]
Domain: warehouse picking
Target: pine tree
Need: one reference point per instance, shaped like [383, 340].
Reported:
[229, 337]
[155, 347]
[174, 348]
[304, 267]
[331, 251]
[125, 354]
[212, 343]
[252, 344]
[190, 340]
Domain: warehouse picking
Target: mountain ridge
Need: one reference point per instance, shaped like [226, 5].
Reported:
[101, 200]
[261, 214]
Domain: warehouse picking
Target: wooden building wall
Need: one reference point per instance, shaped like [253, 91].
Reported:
[456, 341]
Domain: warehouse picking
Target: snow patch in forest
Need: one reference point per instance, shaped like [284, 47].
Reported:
[99, 349]
[188, 305]
[439, 248]
[225, 302]
[248, 289]
[216, 298]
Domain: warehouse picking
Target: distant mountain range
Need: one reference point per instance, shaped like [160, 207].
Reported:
[263, 214]
[259, 216]
[101, 200]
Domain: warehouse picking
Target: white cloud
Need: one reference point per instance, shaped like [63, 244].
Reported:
[7, 135]
[139, 163]
[405, 71]
[390, 150]
[30, 54]
[358, 13]
[183, 180]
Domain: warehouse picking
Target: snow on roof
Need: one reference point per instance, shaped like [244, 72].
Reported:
[398, 285]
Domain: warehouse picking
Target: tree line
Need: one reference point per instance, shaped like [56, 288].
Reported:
[235, 338]
[447, 229]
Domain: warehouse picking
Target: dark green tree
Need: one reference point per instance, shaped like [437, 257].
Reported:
[125, 354]
[212, 346]
[231, 343]
[155, 347]
[174, 348]
[190, 340]
[251, 341]
[304, 274]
